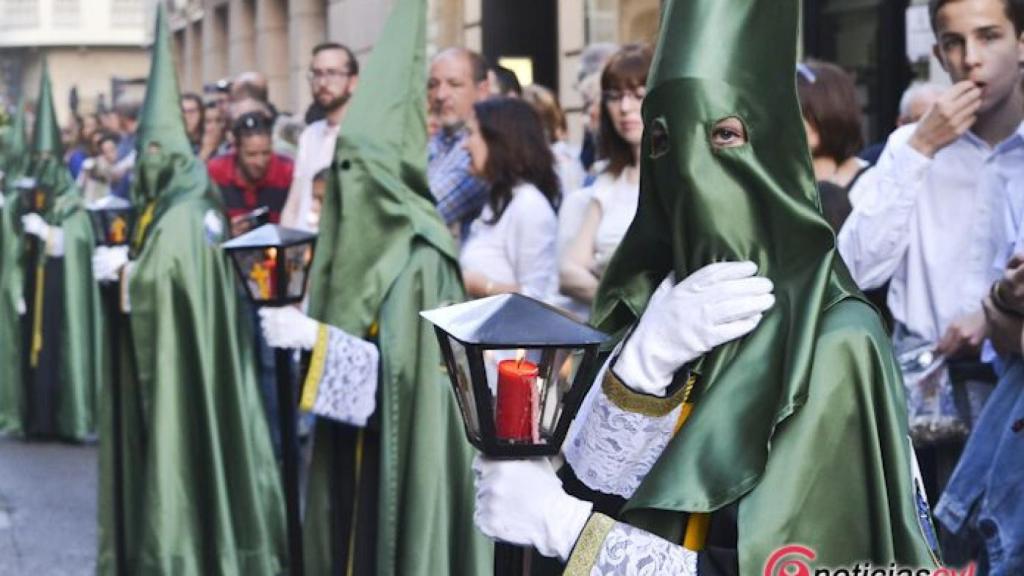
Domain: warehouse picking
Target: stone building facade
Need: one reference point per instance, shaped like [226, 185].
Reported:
[96, 47]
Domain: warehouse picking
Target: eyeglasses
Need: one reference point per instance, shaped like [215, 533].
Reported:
[616, 96]
[328, 75]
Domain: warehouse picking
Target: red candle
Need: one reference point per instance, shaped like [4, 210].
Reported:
[271, 264]
[516, 410]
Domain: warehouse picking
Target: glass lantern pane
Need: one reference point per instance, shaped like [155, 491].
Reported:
[259, 268]
[116, 228]
[464, 388]
[297, 261]
[528, 387]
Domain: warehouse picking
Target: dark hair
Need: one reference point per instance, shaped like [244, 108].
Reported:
[508, 82]
[107, 137]
[192, 96]
[1014, 11]
[353, 64]
[626, 70]
[251, 124]
[545, 103]
[828, 99]
[517, 151]
[130, 109]
[835, 204]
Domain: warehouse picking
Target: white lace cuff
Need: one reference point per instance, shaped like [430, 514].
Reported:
[609, 548]
[342, 380]
[615, 448]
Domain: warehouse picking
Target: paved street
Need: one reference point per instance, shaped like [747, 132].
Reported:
[47, 509]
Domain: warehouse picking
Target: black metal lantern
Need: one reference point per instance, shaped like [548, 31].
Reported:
[520, 370]
[32, 197]
[273, 263]
[112, 220]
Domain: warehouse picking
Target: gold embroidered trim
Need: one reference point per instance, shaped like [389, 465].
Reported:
[316, 370]
[654, 406]
[589, 545]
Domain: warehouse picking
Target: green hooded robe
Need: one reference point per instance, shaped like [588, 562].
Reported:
[202, 490]
[58, 342]
[799, 428]
[12, 162]
[383, 256]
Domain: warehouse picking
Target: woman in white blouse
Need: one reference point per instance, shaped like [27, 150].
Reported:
[511, 245]
[616, 191]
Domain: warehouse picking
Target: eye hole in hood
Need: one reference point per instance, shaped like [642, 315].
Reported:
[728, 132]
[660, 143]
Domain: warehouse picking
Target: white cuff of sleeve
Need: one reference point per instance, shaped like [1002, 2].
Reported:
[55, 242]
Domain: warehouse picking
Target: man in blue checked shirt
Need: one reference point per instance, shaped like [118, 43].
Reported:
[458, 79]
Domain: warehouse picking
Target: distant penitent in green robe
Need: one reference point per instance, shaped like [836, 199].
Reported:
[13, 153]
[202, 489]
[394, 498]
[55, 352]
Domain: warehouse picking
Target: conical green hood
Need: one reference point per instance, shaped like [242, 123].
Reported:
[160, 121]
[166, 171]
[16, 137]
[387, 109]
[13, 144]
[46, 133]
[739, 42]
[378, 200]
[702, 201]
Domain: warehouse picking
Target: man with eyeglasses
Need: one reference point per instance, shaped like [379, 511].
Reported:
[333, 76]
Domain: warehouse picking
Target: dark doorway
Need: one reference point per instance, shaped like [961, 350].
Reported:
[879, 62]
[523, 29]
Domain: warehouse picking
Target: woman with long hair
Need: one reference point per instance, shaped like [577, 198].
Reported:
[614, 195]
[511, 245]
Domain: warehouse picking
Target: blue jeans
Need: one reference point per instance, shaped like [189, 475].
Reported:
[985, 496]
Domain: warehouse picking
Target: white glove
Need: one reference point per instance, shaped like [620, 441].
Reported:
[107, 262]
[22, 308]
[52, 236]
[35, 225]
[287, 327]
[522, 502]
[716, 304]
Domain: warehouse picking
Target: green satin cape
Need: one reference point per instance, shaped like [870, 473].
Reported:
[202, 487]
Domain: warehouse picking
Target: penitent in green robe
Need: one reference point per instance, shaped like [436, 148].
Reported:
[202, 489]
[12, 155]
[49, 391]
[11, 389]
[383, 256]
[798, 432]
